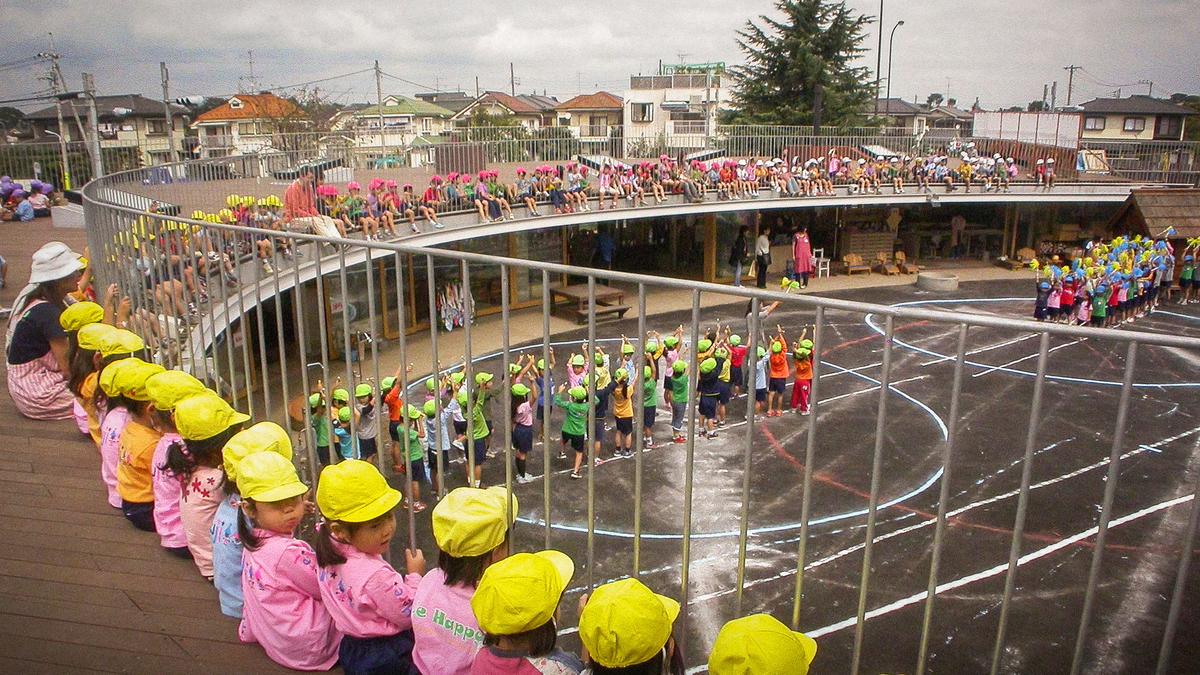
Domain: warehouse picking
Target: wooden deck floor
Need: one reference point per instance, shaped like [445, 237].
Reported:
[81, 590]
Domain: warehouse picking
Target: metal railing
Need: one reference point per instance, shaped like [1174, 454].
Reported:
[258, 343]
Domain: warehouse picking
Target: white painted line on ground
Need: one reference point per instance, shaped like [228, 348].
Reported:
[982, 349]
[1026, 358]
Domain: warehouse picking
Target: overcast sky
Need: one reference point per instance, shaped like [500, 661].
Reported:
[1001, 52]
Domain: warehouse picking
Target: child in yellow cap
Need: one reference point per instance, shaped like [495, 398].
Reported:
[73, 318]
[760, 645]
[471, 528]
[283, 610]
[515, 605]
[370, 602]
[226, 543]
[166, 390]
[115, 409]
[136, 447]
[626, 628]
[205, 422]
[84, 373]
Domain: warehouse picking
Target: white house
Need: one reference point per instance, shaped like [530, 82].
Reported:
[675, 109]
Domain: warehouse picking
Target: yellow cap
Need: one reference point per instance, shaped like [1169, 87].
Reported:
[93, 336]
[108, 376]
[760, 644]
[130, 381]
[262, 437]
[470, 521]
[354, 491]
[521, 592]
[268, 477]
[121, 341]
[79, 315]
[205, 415]
[625, 623]
[168, 388]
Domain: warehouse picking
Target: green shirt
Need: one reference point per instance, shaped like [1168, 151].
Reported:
[320, 423]
[575, 422]
[416, 449]
[649, 393]
[1100, 305]
[479, 427]
[679, 388]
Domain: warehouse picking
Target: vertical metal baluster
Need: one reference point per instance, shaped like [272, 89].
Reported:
[590, 432]
[469, 372]
[242, 322]
[184, 335]
[310, 434]
[509, 382]
[744, 518]
[1014, 554]
[283, 374]
[685, 568]
[810, 458]
[939, 531]
[1181, 577]
[264, 374]
[546, 404]
[377, 390]
[1110, 492]
[436, 371]
[347, 351]
[873, 503]
[322, 326]
[226, 310]
[637, 457]
[405, 422]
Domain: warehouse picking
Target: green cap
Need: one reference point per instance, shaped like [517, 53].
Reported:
[599, 359]
[671, 341]
[735, 340]
[541, 364]
[457, 378]
[314, 400]
[578, 360]
[761, 352]
[483, 378]
[388, 383]
[341, 395]
[431, 384]
[414, 413]
[794, 286]
[626, 348]
[648, 372]
[703, 345]
[344, 415]
[362, 390]
[462, 397]
[514, 368]
[621, 374]
[806, 343]
[651, 347]
[722, 353]
[802, 353]
[776, 347]
[708, 365]
[678, 367]
[430, 408]
[578, 393]
[520, 390]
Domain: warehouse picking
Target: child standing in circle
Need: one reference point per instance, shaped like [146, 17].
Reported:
[283, 610]
[779, 372]
[802, 386]
[522, 430]
[515, 605]
[737, 360]
[370, 602]
[709, 388]
[760, 381]
[679, 399]
[574, 427]
[649, 402]
[319, 414]
[436, 431]
[480, 432]
[471, 528]
[622, 397]
[368, 422]
[416, 455]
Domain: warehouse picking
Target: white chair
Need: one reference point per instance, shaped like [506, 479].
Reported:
[822, 262]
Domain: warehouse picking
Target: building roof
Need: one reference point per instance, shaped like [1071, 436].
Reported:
[140, 105]
[951, 111]
[1150, 211]
[400, 105]
[252, 106]
[601, 100]
[897, 107]
[525, 104]
[1136, 105]
[450, 100]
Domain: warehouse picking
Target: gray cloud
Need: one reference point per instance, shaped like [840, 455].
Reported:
[1001, 52]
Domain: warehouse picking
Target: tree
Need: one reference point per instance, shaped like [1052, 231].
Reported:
[934, 100]
[1036, 106]
[798, 68]
[11, 122]
[1191, 128]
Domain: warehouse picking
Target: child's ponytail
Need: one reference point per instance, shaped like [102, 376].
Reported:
[250, 541]
[327, 553]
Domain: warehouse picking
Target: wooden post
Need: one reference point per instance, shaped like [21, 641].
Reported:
[709, 224]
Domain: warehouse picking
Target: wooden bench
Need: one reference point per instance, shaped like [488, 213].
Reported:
[854, 263]
[905, 266]
[1021, 260]
[604, 312]
[884, 264]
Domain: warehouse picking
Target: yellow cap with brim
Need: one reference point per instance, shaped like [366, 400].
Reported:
[268, 477]
[760, 643]
[353, 491]
[625, 623]
[262, 437]
[521, 592]
[108, 377]
[79, 315]
[470, 521]
[130, 381]
[167, 389]
[205, 415]
[121, 341]
[92, 336]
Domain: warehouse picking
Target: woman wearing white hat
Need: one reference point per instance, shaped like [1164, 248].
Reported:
[36, 345]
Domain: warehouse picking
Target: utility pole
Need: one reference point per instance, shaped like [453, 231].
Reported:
[1045, 95]
[476, 86]
[166, 79]
[512, 79]
[89, 89]
[1071, 80]
[379, 105]
[879, 60]
[56, 87]
[1149, 83]
[1053, 93]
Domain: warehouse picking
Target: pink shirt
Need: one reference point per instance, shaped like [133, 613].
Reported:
[575, 379]
[283, 611]
[110, 451]
[365, 596]
[524, 416]
[444, 627]
[202, 494]
[167, 493]
[1054, 300]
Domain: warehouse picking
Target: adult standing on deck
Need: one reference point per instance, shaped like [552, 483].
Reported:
[36, 345]
[762, 256]
[802, 255]
[300, 207]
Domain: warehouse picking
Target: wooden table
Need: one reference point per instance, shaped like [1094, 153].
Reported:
[608, 301]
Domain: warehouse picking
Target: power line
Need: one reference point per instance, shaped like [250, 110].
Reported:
[401, 79]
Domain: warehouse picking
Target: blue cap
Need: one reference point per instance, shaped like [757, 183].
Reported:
[1045, 285]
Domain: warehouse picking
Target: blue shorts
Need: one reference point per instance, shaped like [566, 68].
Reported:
[389, 654]
[708, 407]
[648, 415]
[760, 395]
[736, 376]
[777, 384]
[724, 393]
[522, 438]
[480, 445]
[431, 459]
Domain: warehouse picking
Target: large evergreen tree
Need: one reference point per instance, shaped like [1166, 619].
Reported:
[798, 67]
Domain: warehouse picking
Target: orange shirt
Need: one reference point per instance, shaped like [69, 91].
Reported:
[136, 456]
[803, 369]
[394, 404]
[88, 391]
[779, 365]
